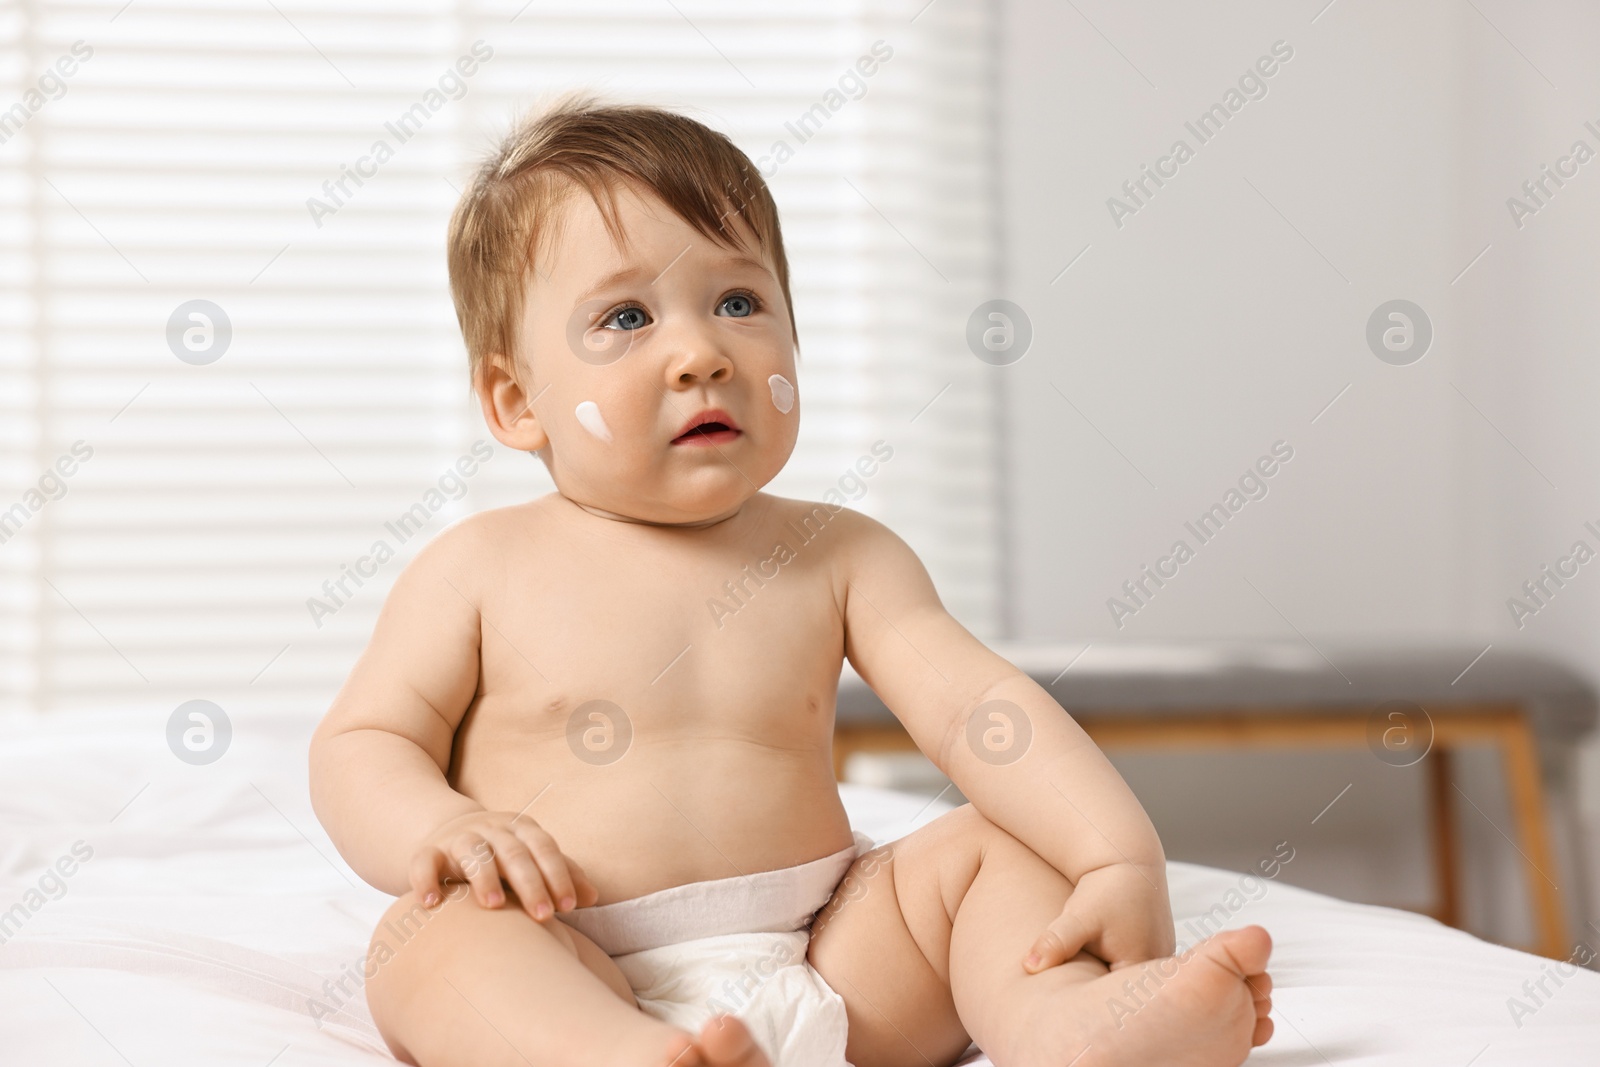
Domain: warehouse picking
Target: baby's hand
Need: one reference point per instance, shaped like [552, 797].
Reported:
[484, 847]
[1118, 913]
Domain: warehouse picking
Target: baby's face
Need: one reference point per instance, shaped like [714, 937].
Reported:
[627, 348]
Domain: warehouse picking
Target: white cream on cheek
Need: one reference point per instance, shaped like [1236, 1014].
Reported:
[782, 393]
[589, 417]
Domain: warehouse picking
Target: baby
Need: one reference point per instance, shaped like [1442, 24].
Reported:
[609, 808]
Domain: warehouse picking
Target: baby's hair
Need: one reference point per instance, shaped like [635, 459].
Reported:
[510, 212]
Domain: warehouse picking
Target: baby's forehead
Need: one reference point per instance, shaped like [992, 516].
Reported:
[584, 236]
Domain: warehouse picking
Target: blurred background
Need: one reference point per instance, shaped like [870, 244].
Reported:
[230, 370]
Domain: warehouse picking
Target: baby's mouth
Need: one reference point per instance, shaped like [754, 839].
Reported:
[710, 427]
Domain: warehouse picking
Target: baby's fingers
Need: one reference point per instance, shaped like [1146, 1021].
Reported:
[588, 895]
[523, 874]
[1063, 939]
[474, 858]
[424, 876]
[552, 865]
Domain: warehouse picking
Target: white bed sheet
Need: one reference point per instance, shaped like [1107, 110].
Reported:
[213, 911]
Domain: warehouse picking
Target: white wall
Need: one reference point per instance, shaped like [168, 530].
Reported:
[1230, 309]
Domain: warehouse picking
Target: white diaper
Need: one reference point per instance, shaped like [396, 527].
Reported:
[737, 946]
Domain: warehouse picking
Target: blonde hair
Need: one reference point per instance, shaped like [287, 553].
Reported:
[504, 219]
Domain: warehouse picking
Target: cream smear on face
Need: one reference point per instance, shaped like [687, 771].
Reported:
[782, 393]
[589, 417]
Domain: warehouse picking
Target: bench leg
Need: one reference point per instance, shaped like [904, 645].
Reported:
[1525, 786]
[1446, 843]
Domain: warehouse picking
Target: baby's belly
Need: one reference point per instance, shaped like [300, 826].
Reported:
[670, 812]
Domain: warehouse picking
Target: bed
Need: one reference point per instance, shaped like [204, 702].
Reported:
[177, 914]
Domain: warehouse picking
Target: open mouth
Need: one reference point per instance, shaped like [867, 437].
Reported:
[712, 427]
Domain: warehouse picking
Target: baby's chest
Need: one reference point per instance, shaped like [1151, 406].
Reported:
[741, 626]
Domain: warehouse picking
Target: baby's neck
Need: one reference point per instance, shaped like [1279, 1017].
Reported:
[699, 524]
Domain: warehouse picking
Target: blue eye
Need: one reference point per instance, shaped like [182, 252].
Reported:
[631, 317]
[739, 305]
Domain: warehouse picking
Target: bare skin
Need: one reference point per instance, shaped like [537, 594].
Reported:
[456, 770]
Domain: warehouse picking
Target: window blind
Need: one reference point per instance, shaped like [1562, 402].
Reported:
[229, 365]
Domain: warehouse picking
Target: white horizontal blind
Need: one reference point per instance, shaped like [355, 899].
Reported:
[177, 560]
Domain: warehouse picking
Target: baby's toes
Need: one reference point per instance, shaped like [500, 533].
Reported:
[1261, 993]
[1249, 947]
[1262, 1033]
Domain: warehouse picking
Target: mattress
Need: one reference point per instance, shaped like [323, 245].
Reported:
[156, 912]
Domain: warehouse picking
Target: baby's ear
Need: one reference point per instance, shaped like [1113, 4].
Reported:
[508, 409]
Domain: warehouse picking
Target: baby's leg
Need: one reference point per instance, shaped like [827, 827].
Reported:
[925, 940]
[464, 984]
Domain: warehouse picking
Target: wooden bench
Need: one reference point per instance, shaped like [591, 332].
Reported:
[1277, 696]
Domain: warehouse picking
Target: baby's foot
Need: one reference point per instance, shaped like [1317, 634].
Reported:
[724, 1041]
[1207, 1010]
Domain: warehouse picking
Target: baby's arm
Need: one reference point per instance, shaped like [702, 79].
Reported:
[379, 757]
[1061, 797]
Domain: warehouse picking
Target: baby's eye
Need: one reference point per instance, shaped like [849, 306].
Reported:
[631, 317]
[739, 305]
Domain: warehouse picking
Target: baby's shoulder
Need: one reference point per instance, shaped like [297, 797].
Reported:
[484, 534]
[849, 532]
[786, 510]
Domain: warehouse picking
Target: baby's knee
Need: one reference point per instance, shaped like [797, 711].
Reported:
[968, 823]
[407, 919]
[388, 984]
[969, 839]
[401, 925]
[403, 920]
